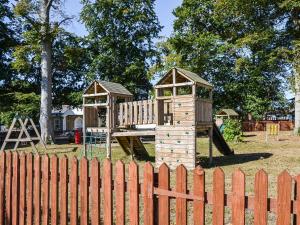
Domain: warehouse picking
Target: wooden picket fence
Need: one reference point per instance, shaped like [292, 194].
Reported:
[42, 190]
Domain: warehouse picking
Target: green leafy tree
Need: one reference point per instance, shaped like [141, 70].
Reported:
[44, 56]
[241, 47]
[120, 41]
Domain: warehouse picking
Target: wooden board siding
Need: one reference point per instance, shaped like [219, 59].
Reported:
[175, 145]
[184, 111]
[91, 117]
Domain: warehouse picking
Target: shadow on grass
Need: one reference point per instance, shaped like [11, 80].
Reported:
[232, 159]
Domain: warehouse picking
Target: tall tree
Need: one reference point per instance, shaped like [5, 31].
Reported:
[293, 7]
[40, 31]
[120, 39]
[238, 46]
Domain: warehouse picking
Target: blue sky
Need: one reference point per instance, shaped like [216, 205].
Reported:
[163, 9]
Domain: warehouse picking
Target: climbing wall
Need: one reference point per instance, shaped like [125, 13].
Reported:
[175, 145]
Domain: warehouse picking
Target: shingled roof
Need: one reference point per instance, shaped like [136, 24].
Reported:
[189, 75]
[229, 112]
[111, 87]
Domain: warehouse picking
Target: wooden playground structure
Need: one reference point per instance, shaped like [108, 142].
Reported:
[182, 107]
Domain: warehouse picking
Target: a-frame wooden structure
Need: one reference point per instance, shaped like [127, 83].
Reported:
[23, 131]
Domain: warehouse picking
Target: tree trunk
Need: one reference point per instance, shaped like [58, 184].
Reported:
[46, 92]
[297, 102]
[296, 21]
[46, 70]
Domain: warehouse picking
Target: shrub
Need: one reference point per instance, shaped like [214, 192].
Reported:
[233, 130]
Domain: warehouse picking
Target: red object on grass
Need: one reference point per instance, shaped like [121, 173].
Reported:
[77, 137]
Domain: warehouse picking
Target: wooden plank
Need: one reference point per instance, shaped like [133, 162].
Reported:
[63, 183]
[164, 201]
[29, 202]
[284, 190]
[54, 190]
[133, 182]
[199, 191]
[121, 105]
[84, 192]
[22, 198]
[140, 104]
[8, 187]
[150, 111]
[74, 192]
[130, 111]
[2, 186]
[45, 190]
[15, 189]
[148, 194]
[145, 107]
[181, 203]
[126, 112]
[261, 198]
[95, 190]
[37, 190]
[107, 190]
[238, 198]
[218, 197]
[135, 113]
[297, 193]
[120, 192]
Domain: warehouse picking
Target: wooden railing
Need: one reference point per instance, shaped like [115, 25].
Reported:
[137, 112]
[42, 190]
[203, 110]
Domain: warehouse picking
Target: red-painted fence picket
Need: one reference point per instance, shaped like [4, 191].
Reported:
[42, 190]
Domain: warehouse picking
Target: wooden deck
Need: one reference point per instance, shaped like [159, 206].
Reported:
[134, 133]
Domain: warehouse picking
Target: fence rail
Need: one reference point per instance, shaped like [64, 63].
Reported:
[42, 190]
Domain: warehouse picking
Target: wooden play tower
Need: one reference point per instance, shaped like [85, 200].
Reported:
[182, 107]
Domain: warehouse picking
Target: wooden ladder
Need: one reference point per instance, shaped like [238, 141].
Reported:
[132, 145]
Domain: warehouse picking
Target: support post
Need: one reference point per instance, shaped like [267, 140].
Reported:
[108, 126]
[210, 133]
[83, 128]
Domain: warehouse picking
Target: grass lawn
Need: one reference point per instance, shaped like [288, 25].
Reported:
[250, 155]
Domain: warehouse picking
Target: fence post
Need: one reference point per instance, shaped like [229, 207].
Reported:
[284, 190]
[95, 192]
[45, 190]
[63, 183]
[29, 203]
[54, 190]
[218, 197]
[238, 197]
[181, 187]
[261, 198]
[164, 201]
[297, 191]
[107, 190]
[22, 206]
[120, 192]
[84, 191]
[15, 189]
[148, 194]
[2, 187]
[8, 191]
[74, 192]
[133, 181]
[199, 191]
[37, 189]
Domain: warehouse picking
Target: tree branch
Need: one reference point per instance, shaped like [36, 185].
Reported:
[49, 4]
[64, 20]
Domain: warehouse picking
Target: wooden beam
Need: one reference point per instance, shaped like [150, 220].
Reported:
[97, 104]
[134, 133]
[94, 95]
[174, 85]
